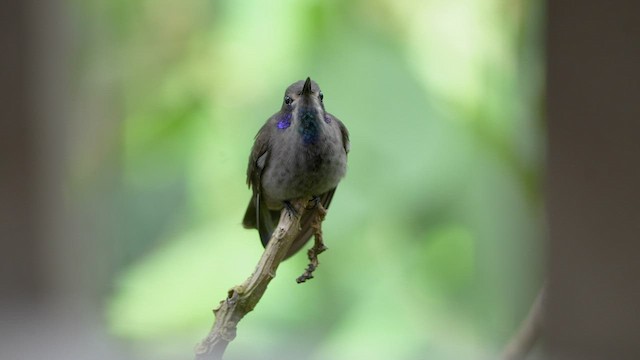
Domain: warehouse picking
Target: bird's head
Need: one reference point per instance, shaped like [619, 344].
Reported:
[303, 109]
[303, 94]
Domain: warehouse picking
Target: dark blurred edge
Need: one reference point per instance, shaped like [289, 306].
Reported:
[48, 309]
[20, 267]
[593, 93]
[35, 115]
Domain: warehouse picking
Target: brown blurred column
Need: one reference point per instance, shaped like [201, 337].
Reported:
[49, 269]
[20, 267]
[594, 179]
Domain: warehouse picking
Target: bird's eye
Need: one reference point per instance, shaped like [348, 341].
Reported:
[288, 100]
[321, 95]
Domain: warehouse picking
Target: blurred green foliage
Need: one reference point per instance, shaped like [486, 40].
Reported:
[435, 233]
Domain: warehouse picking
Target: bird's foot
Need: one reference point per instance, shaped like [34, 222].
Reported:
[313, 203]
[291, 210]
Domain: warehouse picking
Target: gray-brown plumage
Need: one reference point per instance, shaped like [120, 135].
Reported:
[301, 151]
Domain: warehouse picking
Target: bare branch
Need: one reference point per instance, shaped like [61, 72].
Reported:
[243, 298]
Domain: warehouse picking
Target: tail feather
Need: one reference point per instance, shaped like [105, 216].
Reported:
[259, 217]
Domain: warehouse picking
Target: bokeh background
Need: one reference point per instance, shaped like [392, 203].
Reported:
[435, 236]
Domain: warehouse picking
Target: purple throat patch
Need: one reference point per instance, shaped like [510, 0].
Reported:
[285, 121]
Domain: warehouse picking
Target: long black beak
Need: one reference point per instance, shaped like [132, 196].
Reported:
[306, 89]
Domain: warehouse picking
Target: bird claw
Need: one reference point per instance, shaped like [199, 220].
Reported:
[315, 200]
[291, 210]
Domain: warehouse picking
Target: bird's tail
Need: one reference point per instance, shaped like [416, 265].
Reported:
[259, 217]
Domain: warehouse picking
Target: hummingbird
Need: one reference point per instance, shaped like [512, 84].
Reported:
[300, 152]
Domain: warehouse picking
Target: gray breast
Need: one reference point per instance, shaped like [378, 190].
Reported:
[296, 170]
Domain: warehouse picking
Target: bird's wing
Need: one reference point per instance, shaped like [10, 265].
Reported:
[343, 131]
[259, 156]
[258, 216]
